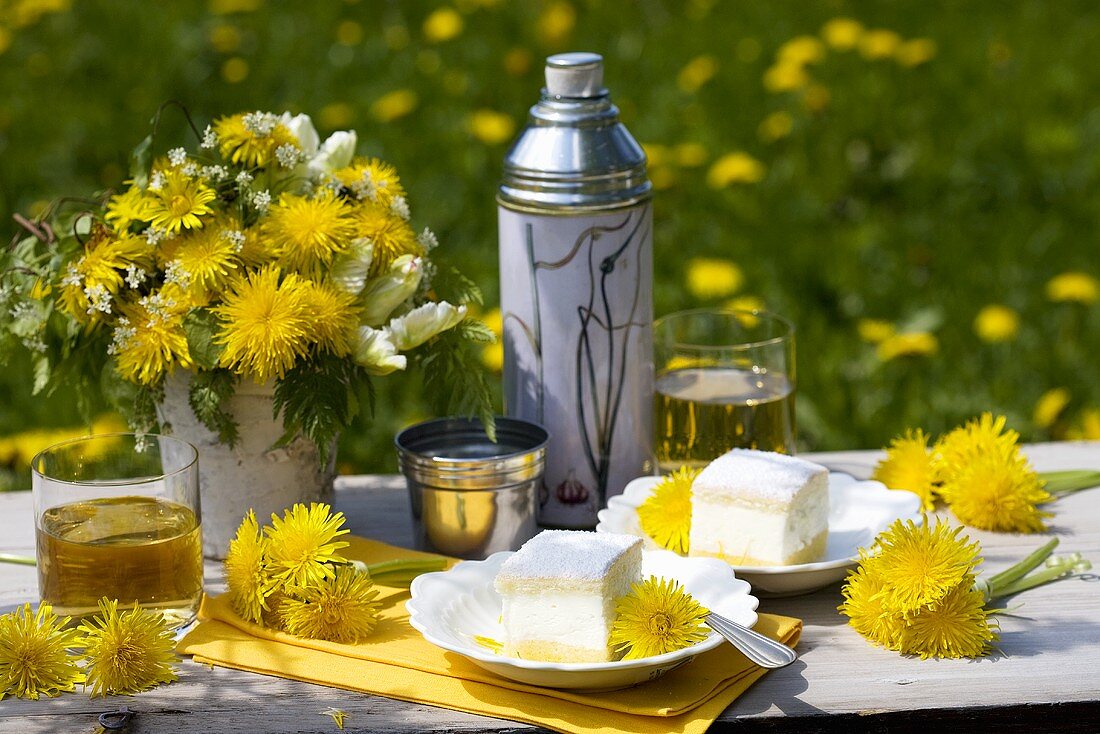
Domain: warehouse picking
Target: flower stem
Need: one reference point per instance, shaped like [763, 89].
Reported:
[21, 560]
[1063, 566]
[994, 585]
[400, 571]
[1065, 482]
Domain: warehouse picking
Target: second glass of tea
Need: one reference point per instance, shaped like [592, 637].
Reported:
[725, 379]
[117, 516]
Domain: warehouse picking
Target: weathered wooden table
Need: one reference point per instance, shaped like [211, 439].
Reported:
[1047, 677]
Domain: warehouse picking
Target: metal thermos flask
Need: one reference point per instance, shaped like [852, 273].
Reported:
[576, 282]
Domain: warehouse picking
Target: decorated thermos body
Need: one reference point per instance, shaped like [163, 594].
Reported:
[576, 280]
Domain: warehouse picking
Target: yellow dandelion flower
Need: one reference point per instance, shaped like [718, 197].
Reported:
[879, 43]
[785, 77]
[997, 490]
[180, 202]
[1087, 427]
[372, 179]
[555, 23]
[982, 435]
[710, 278]
[391, 235]
[34, 658]
[246, 572]
[656, 154]
[492, 356]
[696, 73]
[746, 302]
[343, 608]
[910, 465]
[132, 205]
[732, 168]
[394, 105]
[691, 155]
[665, 515]
[915, 52]
[149, 340]
[1050, 406]
[442, 25]
[100, 272]
[307, 232]
[875, 331]
[775, 126]
[910, 344]
[1073, 287]
[656, 617]
[491, 127]
[920, 564]
[865, 606]
[842, 34]
[801, 50]
[957, 626]
[517, 61]
[209, 257]
[265, 328]
[333, 317]
[996, 323]
[257, 249]
[248, 142]
[128, 652]
[303, 541]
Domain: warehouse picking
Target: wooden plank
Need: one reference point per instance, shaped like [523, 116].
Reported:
[1049, 672]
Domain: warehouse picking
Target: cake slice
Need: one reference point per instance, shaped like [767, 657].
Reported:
[559, 592]
[757, 508]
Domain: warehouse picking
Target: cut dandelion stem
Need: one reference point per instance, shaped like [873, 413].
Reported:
[1062, 566]
[20, 560]
[1073, 480]
[400, 571]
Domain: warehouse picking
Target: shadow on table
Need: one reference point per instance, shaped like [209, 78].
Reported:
[779, 688]
[1038, 636]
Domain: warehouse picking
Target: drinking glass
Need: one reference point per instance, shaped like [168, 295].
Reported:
[725, 379]
[118, 516]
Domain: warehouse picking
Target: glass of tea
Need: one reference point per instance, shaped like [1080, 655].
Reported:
[117, 516]
[725, 379]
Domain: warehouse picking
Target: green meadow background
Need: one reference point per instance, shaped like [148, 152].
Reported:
[915, 184]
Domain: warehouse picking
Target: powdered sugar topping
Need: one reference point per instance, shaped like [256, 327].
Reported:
[568, 554]
[762, 475]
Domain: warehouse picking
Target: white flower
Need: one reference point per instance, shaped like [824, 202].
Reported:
[422, 323]
[156, 182]
[34, 343]
[365, 187]
[400, 207]
[209, 137]
[260, 123]
[214, 173]
[153, 235]
[374, 349]
[288, 155]
[388, 291]
[244, 178]
[235, 236]
[72, 276]
[191, 169]
[350, 269]
[177, 156]
[336, 152]
[301, 127]
[135, 276]
[159, 308]
[122, 334]
[99, 298]
[175, 273]
[261, 199]
[427, 239]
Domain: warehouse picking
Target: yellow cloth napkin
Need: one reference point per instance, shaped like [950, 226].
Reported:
[398, 663]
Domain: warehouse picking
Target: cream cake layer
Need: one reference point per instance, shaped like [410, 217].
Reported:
[559, 592]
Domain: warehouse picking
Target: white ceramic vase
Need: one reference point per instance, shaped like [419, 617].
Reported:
[251, 475]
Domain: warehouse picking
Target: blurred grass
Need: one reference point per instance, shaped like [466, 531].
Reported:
[915, 195]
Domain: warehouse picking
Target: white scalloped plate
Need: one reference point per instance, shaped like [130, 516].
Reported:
[451, 608]
[858, 511]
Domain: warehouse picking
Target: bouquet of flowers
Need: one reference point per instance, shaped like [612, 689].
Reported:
[258, 254]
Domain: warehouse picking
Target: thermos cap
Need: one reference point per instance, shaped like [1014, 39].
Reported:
[577, 75]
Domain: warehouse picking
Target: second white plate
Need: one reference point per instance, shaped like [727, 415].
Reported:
[858, 511]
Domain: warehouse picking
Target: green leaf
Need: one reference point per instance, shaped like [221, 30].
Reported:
[476, 331]
[207, 396]
[41, 373]
[452, 286]
[140, 158]
[317, 399]
[201, 326]
[455, 381]
[119, 392]
[142, 415]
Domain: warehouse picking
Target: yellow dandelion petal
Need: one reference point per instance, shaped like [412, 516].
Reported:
[333, 316]
[656, 617]
[492, 356]
[734, 168]
[394, 105]
[209, 256]
[149, 340]
[712, 278]
[842, 34]
[391, 235]
[180, 202]
[555, 23]
[746, 302]
[957, 626]
[372, 179]
[129, 207]
[697, 72]
[246, 143]
[919, 564]
[1087, 427]
[246, 573]
[343, 608]
[910, 465]
[442, 25]
[265, 327]
[302, 542]
[492, 127]
[879, 43]
[307, 232]
[1050, 407]
[865, 606]
[691, 155]
[985, 434]
[127, 652]
[996, 323]
[665, 515]
[910, 344]
[875, 331]
[34, 658]
[785, 77]
[100, 269]
[915, 52]
[801, 50]
[775, 126]
[1073, 287]
[997, 490]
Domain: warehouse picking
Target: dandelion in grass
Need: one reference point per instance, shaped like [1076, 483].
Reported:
[129, 207]
[372, 179]
[957, 626]
[303, 541]
[910, 344]
[998, 491]
[910, 465]
[307, 232]
[251, 139]
[1050, 406]
[343, 608]
[666, 514]
[181, 202]
[712, 278]
[34, 660]
[333, 315]
[390, 235]
[982, 435]
[919, 564]
[865, 606]
[264, 325]
[127, 652]
[656, 617]
[246, 572]
[1073, 287]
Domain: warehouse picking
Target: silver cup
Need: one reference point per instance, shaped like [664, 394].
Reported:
[471, 497]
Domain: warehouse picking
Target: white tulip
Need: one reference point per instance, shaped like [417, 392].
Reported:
[424, 322]
[336, 152]
[301, 126]
[375, 350]
[388, 291]
[350, 269]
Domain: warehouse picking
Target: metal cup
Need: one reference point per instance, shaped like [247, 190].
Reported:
[471, 497]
